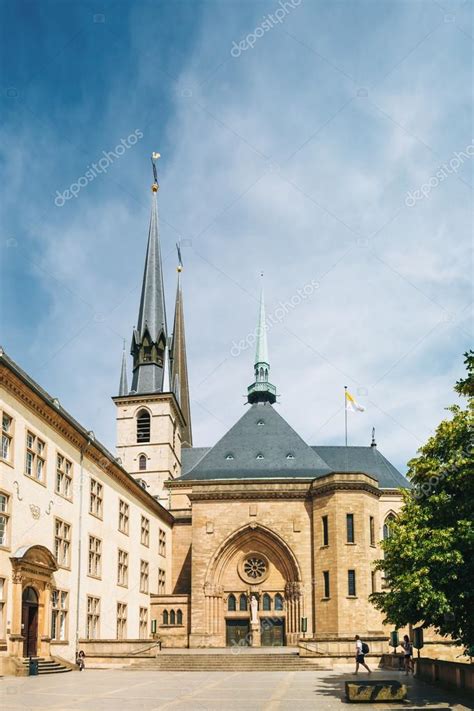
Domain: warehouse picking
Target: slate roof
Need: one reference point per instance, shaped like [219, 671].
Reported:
[274, 440]
[261, 445]
[363, 459]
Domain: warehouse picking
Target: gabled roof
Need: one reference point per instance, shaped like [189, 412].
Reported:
[363, 459]
[260, 445]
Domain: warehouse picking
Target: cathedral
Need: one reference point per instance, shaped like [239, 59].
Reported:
[273, 539]
[259, 539]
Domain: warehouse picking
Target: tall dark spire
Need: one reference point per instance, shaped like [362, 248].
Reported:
[123, 387]
[179, 366]
[261, 390]
[149, 338]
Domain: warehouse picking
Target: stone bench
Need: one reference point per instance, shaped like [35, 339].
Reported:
[380, 690]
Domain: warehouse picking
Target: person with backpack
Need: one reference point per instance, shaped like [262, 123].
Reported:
[408, 654]
[361, 649]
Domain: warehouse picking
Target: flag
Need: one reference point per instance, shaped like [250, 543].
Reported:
[352, 405]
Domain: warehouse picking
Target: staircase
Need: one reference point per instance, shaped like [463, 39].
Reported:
[45, 666]
[229, 662]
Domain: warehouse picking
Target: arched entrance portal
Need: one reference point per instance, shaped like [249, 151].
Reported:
[29, 622]
[252, 592]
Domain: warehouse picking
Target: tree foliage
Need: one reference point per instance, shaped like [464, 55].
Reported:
[429, 557]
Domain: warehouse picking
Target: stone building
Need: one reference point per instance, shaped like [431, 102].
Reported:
[258, 540]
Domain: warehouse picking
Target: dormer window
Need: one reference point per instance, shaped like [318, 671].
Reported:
[229, 456]
[260, 423]
[259, 456]
[290, 455]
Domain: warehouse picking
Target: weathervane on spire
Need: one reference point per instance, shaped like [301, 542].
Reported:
[154, 158]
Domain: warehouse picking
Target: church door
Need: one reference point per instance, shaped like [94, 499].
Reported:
[29, 622]
[238, 633]
[272, 632]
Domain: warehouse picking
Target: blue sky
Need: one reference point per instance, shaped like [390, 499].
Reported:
[296, 157]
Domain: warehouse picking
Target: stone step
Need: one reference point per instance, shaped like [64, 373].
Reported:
[230, 662]
[47, 666]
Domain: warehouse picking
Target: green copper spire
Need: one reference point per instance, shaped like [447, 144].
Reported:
[261, 390]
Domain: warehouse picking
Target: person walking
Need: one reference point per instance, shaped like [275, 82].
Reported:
[408, 654]
[361, 649]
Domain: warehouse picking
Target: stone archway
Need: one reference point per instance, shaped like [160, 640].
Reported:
[254, 564]
[32, 578]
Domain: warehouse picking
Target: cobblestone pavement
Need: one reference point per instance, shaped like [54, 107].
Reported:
[122, 690]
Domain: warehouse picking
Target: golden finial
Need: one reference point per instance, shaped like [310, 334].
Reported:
[154, 157]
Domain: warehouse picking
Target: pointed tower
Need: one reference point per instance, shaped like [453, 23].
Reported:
[261, 390]
[123, 387]
[179, 365]
[150, 423]
[149, 338]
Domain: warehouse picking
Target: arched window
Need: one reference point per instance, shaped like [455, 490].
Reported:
[143, 426]
[267, 602]
[243, 603]
[172, 617]
[387, 526]
[231, 603]
[179, 617]
[142, 462]
[165, 617]
[278, 602]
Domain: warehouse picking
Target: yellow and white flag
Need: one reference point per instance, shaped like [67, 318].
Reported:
[352, 405]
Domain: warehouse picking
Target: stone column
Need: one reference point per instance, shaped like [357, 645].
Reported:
[16, 636]
[44, 623]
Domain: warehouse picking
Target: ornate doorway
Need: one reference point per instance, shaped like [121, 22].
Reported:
[272, 631]
[29, 622]
[237, 633]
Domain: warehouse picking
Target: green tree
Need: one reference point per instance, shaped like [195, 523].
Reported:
[429, 557]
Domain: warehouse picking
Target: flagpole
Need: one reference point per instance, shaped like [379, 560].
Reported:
[345, 413]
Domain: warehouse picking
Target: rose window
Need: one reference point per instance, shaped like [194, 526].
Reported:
[255, 568]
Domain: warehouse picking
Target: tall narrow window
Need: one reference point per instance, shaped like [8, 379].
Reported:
[3, 597]
[162, 542]
[122, 568]
[179, 617]
[351, 583]
[327, 590]
[93, 617]
[145, 531]
[95, 556]
[4, 519]
[59, 610]
[63, 477]
[143, 623]
[7, 437]
[387, 526]
[278, 602]
[142, 462]
[172, 617]
[62, 543]
[267, 602]
[124, 515]
[121, 620]
[143, 426]
[144, 575]
[161, 581]
[325, 531]
[35, 460]
[243, 603]
[372, 530]
[96, 498]
[350, 528]
[165, 617]
[231, 603]
[373, 581]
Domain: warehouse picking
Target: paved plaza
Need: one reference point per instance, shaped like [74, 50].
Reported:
[121, 690]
